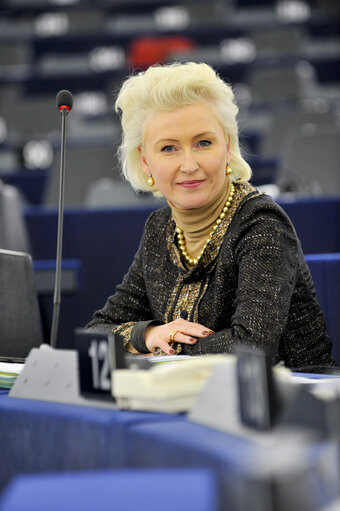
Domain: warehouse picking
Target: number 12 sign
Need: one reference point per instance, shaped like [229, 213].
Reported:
[99, 354]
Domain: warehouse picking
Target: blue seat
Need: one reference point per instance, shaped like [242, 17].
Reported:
[325, 270]
[126, 490]
[103, 241]
[320, 236]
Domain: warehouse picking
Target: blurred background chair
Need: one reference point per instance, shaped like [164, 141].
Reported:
[284, 119]
[277, 83]
[30, 115]
[14, 54]
[13, 231]
[20, 324]
[309, 160]
[9, 160]
[84, 166]
[279, 41]
[107, 192]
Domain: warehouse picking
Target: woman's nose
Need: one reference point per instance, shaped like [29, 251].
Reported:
[189, 163]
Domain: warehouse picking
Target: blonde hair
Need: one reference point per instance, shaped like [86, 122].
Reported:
[167, 87]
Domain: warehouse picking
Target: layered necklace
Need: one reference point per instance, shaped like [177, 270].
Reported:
[181, 239]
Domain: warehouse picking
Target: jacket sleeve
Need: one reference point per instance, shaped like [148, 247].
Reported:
[266, 253]
[127, 312]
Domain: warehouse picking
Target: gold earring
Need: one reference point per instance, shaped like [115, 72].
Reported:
[151, 180]
[228, 170]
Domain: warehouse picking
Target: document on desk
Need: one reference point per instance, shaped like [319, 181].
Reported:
[9, 371]
[326, 386]
[167, 359]
[170, 385]
[313, 379]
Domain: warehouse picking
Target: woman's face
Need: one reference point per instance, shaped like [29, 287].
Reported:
[186, 152]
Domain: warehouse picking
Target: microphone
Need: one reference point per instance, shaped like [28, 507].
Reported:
[64, 100]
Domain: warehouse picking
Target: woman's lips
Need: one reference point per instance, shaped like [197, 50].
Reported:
[194, 183]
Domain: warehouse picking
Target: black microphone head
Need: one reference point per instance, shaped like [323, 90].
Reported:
[64, 100]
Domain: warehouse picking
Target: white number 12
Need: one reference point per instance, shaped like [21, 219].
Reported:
[100, 376]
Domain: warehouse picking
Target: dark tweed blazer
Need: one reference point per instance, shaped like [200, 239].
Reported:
[251, 286]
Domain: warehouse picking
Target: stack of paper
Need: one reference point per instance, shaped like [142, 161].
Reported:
[8, 374]
[165, 359]
[171, 385]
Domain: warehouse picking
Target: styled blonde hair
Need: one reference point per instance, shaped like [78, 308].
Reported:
[167, 87]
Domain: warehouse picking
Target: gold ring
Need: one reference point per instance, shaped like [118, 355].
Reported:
[172, 335]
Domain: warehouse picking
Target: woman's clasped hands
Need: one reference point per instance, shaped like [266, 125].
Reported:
[179, 331]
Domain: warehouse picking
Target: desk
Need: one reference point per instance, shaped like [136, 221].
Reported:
[38, 436]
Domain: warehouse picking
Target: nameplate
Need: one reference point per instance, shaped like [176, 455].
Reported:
[52, 375]
[257, 398]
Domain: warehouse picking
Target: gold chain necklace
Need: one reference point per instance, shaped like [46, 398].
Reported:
[181, 239]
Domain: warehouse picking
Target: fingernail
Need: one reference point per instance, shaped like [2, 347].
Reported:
[192, 339]
[171, 352]
[206, 332]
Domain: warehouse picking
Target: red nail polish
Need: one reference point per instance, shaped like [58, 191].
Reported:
[172, 352]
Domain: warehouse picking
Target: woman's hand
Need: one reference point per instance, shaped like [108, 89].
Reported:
[180, 330]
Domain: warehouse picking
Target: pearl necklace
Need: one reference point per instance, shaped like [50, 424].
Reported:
[181, 239]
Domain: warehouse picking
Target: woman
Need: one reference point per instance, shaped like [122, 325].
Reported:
[222, 264]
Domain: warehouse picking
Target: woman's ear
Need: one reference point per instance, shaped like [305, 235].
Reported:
[228, 149]
[145, 166]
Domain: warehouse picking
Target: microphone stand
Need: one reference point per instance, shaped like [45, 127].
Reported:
[56, 297]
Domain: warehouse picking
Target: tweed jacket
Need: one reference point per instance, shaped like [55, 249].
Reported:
[251, 286]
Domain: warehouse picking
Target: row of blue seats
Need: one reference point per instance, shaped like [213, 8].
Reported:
[105, 241]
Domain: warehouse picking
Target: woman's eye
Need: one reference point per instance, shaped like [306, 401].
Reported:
[167, 149]
[204, 143]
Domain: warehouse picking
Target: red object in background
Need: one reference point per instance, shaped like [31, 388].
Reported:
[146, 51]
